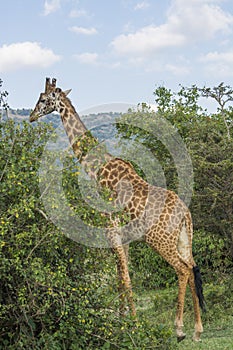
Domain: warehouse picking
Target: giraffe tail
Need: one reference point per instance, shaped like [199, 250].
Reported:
[199, 288]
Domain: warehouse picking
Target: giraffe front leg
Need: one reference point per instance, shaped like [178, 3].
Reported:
[124, 281]
[121, 292]
[183, 280]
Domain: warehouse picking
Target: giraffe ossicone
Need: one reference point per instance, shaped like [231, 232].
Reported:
[156, 215]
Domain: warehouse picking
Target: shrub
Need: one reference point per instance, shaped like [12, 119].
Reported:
[54, 292]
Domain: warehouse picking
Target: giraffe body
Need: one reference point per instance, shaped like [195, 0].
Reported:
[155, 215]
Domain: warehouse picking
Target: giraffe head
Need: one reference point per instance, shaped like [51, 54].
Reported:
[48, 100]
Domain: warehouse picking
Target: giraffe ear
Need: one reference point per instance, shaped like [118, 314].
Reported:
[66, 92]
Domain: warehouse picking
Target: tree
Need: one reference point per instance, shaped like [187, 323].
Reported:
[222, 94]
[208, 137]
[212, 152]
[3, 97]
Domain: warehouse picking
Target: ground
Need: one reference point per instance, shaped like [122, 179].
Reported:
[160, 306]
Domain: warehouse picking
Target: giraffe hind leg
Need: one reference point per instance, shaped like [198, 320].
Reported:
[190, 276]
[194, 280]
[182, 281]
[196, 305]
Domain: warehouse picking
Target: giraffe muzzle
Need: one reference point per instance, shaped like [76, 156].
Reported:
[33, 117]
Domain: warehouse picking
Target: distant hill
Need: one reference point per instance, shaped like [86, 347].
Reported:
[102, 125]
[19, 113]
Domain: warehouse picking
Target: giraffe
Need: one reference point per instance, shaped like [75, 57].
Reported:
[156, 215]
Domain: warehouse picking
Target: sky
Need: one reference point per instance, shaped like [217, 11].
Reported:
[111, 52]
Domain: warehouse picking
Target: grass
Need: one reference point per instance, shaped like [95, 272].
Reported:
[159, 307]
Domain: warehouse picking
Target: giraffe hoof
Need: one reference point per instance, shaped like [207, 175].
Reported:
[196, 340]
[180, 338]
[196, 337]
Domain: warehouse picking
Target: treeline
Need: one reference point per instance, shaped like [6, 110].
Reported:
[23, 112]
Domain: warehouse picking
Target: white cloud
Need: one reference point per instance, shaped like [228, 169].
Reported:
[224, 57]
[25, 55]
[51, 6]
[147, 40]
[87, 58]
[82, 30]
[94, 59]
[218, 63]
[78, 13]
[187, 22]
[141, 5]
[199, 19]
[179, 70]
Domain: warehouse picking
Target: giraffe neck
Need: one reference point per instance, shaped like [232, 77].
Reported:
[80, 138]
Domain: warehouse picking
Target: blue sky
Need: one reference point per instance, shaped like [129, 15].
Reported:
[113, 51]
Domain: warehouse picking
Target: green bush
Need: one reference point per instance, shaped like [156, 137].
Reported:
[54, 292]
[148, 269]
[212, 255]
